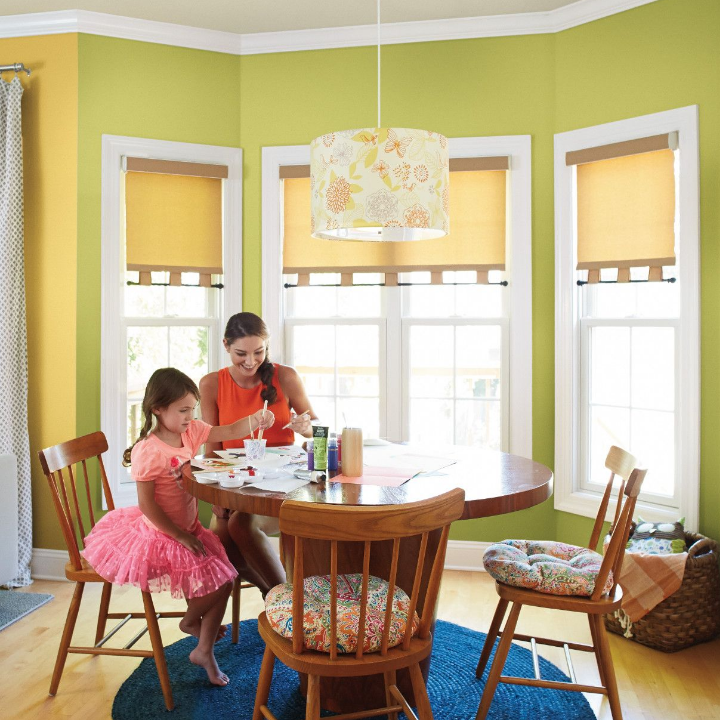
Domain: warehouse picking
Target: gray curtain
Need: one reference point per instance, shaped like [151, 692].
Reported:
[13, 331]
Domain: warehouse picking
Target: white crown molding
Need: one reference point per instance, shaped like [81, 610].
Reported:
[93, 23]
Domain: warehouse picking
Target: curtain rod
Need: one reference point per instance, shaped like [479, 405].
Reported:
[15, 67]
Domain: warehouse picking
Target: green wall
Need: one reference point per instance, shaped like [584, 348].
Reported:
[139, 90]
[655, 57]
[658, 57]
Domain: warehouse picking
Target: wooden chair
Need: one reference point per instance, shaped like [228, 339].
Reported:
[368, 526]
[598, 604]
[238, 586]
[76, 522]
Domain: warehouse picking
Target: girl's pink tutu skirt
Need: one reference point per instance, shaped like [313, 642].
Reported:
[122, 548]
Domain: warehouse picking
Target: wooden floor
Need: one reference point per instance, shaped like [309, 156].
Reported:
[653, 685]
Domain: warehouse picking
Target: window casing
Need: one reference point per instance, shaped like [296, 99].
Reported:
[627, 355]
[396, 319]
[183, 316]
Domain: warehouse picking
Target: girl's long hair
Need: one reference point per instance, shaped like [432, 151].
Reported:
[247, 324]
[165, 387]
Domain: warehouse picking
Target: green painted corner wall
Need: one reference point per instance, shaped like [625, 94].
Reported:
[655, 57]
[661, 56]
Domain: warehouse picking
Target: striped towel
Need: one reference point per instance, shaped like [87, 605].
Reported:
[647, 580]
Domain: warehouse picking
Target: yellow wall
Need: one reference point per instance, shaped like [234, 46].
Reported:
[50, 121]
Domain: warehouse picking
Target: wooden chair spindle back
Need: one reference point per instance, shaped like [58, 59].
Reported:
[620, 463]
[60, 466]
[619, 533]
[369, 525]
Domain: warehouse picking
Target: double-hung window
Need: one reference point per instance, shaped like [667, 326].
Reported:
[627, 311]
[170, 253]
[421, 342]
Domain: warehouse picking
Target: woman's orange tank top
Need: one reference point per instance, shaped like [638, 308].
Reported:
[235, 402]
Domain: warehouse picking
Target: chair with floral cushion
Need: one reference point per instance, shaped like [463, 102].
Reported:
[563, 577]
[342, 625]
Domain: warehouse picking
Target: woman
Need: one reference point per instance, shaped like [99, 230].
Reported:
[234, 392]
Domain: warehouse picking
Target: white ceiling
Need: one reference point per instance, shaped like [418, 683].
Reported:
[260, 16]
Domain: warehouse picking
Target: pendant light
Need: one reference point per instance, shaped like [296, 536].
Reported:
[379, 184]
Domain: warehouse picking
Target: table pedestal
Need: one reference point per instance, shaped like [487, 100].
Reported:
[344, 695]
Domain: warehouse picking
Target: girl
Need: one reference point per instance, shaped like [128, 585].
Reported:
[161, 545]
[235, 391]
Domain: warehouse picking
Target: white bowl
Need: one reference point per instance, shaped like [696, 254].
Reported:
[206, 478]
[231, 482]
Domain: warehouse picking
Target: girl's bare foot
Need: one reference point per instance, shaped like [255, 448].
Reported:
[194, 629]
[207, 661]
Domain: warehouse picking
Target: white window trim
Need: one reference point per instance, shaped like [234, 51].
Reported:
[112, 350]
[568, 497]
[519, 299]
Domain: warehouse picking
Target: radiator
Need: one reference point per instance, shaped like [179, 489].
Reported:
[8, 519]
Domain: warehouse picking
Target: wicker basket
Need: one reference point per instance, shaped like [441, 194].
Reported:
[691, 614]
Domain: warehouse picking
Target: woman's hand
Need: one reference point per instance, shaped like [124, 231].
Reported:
[301, 424]
[264, 419]
[192, 543]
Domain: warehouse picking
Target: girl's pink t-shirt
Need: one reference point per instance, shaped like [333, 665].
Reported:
[153, 459]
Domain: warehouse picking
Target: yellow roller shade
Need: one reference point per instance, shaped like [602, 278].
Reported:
[626, 212]
[173, 223]
[476, 240]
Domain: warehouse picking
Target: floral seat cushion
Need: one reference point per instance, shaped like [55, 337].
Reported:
[549, 567]
[278, 608]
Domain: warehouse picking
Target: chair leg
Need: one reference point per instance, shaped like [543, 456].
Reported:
[606, 667]
[66, 636]
[312, 707]
[102, 615]
[498, 662]
[263, 687]
[236, 610]
[492, 634]
[158, 650]
[596, 646]
[390, 679]
[422, 701]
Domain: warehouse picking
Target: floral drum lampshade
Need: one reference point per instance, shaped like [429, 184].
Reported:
[379, 184]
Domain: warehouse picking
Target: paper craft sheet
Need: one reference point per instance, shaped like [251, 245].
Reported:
[385, 476]
[231, 455]
[418, 463]
[215, 464]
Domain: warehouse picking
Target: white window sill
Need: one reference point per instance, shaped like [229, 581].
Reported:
[586, 504]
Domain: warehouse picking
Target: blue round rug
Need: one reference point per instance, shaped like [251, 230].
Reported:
[453, 688]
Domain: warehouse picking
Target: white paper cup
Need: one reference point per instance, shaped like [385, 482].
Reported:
[254, 449]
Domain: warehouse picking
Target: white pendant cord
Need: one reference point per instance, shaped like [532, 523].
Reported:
[378, 61]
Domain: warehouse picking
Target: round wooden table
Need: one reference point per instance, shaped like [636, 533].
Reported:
[494, 482]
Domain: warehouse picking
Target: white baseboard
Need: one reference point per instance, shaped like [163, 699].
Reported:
[465, 555]
[48, 564]
[461, 555]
